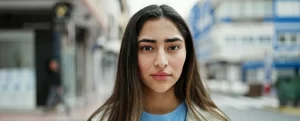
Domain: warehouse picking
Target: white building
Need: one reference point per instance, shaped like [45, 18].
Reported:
[230, 34]
[33, 31]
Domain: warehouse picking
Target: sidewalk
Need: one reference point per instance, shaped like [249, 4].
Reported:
[82, 110]
[242, 102]
[235, 91]
[231, 94]
[79, 113]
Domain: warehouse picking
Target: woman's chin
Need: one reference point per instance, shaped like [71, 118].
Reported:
[161, 89]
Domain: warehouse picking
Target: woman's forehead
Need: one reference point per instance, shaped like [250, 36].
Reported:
[159, 29]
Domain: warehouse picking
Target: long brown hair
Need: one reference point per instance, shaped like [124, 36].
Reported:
[126, 101]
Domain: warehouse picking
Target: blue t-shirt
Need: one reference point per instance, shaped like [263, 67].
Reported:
[179, 114]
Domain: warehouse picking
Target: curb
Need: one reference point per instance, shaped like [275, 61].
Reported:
[285, 109]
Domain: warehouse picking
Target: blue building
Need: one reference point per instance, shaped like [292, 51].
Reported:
[247, 40]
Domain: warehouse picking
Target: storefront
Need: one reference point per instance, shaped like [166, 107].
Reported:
[17, 70]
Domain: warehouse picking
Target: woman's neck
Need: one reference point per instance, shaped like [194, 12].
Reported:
[160, 103]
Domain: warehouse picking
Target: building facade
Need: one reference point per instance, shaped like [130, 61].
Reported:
[32, 32]
[246, 40]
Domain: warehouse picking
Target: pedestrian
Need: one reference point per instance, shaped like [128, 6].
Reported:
[56, 89]
[157, 76]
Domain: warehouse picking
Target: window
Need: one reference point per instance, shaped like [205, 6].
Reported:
[235, 9]
[282, 39]
[265, 39]
[248, 40]
[229, 9]
[294, 38]
[248, 8]
[224, 10]
[258, 8]
[288, 8]
[268, 8]
[230, 39]
[289, 38]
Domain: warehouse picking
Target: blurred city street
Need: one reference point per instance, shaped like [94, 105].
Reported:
[247, 51]
[237, 108]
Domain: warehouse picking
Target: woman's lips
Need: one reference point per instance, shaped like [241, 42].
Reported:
[161, 76]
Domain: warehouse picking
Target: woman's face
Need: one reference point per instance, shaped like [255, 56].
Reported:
[161, 54]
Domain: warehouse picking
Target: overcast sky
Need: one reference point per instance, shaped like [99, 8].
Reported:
[183, 7]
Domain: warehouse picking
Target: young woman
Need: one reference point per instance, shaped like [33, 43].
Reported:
[157, 76]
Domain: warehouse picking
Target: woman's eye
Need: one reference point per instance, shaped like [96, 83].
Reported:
[146, 48]
[174, 47]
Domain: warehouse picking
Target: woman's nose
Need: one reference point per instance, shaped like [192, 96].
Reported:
[161, 60]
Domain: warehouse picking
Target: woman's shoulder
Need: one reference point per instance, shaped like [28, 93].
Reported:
[202, 114]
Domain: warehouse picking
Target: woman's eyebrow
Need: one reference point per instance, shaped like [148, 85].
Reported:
[166, 40]
[147, 40]
[173, 39]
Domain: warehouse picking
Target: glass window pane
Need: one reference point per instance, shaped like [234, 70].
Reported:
[287, 38]
[287, 8]
[282, 39]
[235, 9]
[230, 39]
[248, 8]
[268, 8]
[265, 39]
[293, 38]
[258, 8]
[247, 40]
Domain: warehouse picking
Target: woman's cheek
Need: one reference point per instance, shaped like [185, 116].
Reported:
[178, 61]
[144, 64]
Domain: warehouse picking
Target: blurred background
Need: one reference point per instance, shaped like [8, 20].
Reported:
[248, 54]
